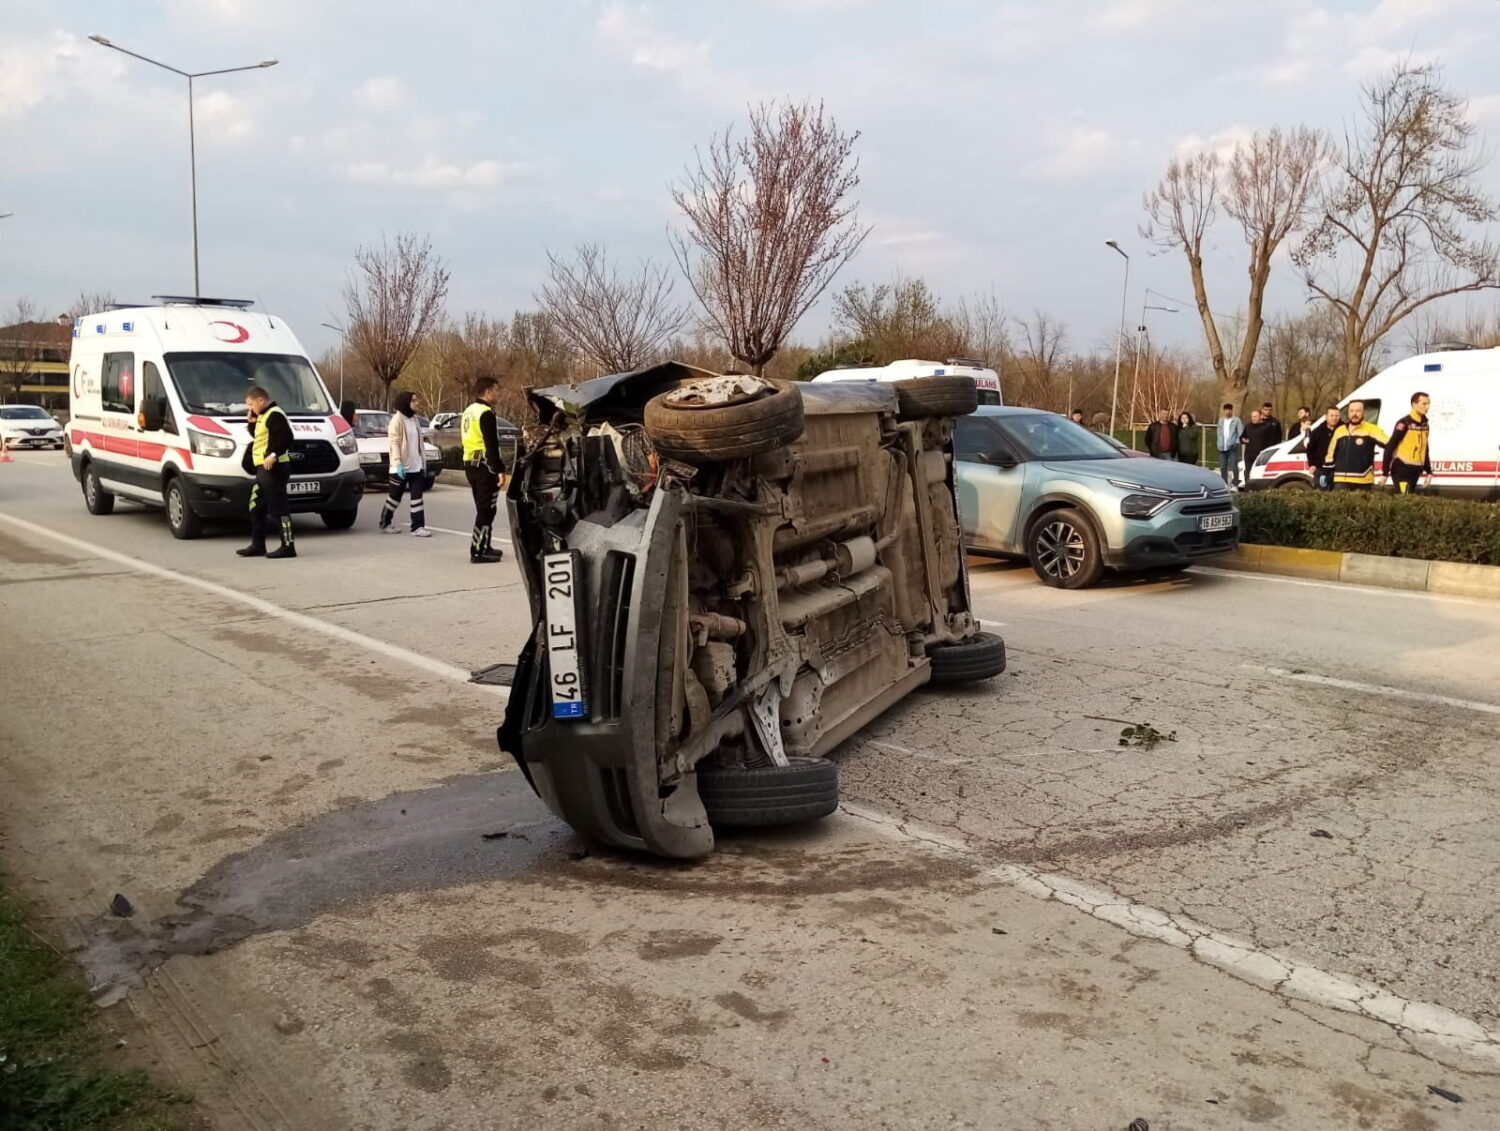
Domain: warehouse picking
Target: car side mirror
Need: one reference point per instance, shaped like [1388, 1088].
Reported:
[152, 415]
[1002, 459]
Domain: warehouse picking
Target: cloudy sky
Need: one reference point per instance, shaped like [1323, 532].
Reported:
[1003, 143]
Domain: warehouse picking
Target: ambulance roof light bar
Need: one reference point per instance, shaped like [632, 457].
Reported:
[188, 300]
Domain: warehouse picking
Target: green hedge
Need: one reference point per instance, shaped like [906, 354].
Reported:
[1441, 530]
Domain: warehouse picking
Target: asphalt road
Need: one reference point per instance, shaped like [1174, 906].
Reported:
[1277, 908]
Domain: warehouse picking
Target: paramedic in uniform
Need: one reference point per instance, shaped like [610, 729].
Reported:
[1407, 457]
[269, 456]
[1352, 451]
[482, 466]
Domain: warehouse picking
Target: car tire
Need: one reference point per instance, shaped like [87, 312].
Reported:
[95, 497]
[339, 520]
[734, 431]
[935, 396]
[1064, 550]
[980, 657]
[1294, 484]
[182, 520]
[803, 790]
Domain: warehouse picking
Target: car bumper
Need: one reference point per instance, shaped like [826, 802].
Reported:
[599, 773]
[34, 441]
[1172, 541]
[226, 497]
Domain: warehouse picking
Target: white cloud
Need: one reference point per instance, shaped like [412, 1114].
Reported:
[381, 93]
[626, 29]
[820, 5]
[1485, 110]
[1359, 44]
[1221, 142]
[434, 173]
[1080, 150]
[1133, 15]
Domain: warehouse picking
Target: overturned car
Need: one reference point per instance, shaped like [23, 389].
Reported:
[729, 576]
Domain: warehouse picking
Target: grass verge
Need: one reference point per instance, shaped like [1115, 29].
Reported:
[53, 1070]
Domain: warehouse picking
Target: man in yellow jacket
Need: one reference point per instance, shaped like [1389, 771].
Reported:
[1407, 456]
[1353, 451]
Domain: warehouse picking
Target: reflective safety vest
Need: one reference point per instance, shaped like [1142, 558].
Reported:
[263, 437]
[470, 432]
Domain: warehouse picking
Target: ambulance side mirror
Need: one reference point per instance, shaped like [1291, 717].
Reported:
[153, 414]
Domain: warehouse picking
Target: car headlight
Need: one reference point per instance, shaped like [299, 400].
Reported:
[1142, 506]
[204, 444]
[369, 457]
[347, 444]
[432, 453]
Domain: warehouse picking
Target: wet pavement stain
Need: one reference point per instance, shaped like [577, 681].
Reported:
[423, 840]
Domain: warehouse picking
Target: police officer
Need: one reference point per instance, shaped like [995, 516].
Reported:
[269, 459]
[482, 465]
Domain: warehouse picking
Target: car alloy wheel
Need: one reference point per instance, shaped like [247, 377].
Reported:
[1061, 549]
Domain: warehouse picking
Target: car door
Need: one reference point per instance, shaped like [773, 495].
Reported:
[991, 482]
[119, 430]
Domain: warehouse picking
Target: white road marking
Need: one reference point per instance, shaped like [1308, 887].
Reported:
[1239, 958]
[301, 620]
[1377, 689]
[466, 534]
[1345, 586]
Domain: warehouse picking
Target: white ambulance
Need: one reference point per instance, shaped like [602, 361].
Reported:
[1464, 385]
[158, 415]
[986, 380]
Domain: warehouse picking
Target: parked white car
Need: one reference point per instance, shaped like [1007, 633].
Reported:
[26, 426]
[371, 433]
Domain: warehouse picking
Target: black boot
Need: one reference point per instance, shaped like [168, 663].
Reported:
[288, 548]
[254, 550]
[480, 551]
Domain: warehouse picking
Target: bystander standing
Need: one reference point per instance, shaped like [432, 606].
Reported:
[1230, 430]
[1320, 450]
[1259, 435]
[1189, 439]
[408, 467]
[1161, 436]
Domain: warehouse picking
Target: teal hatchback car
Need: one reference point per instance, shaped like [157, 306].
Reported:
[1035, 485]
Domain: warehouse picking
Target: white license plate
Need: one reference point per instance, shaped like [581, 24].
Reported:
[304, 488]
[1216, 522]
[558, 574]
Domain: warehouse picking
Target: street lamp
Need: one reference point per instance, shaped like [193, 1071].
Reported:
[343, 349]
[1114, 397]
[192, 139]
[1140, 335]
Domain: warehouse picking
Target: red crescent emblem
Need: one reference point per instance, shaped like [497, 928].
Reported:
[232, 333]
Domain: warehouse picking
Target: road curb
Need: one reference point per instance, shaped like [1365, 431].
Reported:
[1453, 579]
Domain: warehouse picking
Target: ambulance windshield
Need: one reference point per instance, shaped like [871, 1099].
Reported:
[215, 383]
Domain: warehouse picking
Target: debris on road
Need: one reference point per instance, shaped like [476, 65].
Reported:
[1451, 1097]
[1146, 736]
[120, 907]
[1322, 833]
[1138, 1125]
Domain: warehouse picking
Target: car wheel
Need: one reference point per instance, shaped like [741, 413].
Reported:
[979, 657]
[1064, 550]
[936, 396]
[339, 520]
[698, 423]
[95, 497]
[1294, 485]
[182, 519]
[803, 790]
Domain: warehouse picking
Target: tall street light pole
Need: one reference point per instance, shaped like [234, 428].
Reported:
[343, 349]
[1140, 337]
[1114, 398]
[192, 135]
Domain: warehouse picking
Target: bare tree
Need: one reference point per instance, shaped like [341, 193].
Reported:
[616, 321]
[21, 350]
[1266, 187]
[1396, 227]
[892, 321]
[394, 299]
[769, 224]
[1037, 361]
[982, 325]
[90, 302]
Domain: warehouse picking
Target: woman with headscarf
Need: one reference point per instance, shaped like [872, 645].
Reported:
[1189, 438]
[408, 467]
